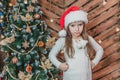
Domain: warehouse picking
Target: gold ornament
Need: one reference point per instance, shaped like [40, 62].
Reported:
[50, 42]
[15, 16]
[2, 36]
[34, 1]
[28, 29]
[7, 40]
[10, 4]
[0, 3]
[46, 64]
[22, 76]
[30, 8]
[1, 21]
[13, 2]
[41, 44]
[25, 44]
[28, 17]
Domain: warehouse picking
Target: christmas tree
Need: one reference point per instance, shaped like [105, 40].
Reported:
[26, 43]
[3, 23]
[3, 13]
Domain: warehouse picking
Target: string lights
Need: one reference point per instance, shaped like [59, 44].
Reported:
[104, 2]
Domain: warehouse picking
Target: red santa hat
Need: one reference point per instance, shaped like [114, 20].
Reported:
[72, 14]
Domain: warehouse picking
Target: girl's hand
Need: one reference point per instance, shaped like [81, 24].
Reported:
[63, 66]
[92, 64]
[14, 60]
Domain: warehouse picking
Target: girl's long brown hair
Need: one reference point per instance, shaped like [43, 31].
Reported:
[68, 43]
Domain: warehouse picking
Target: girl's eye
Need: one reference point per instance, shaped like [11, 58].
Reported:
[80, 24]
[72, 25]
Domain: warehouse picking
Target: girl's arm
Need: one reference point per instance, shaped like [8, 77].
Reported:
[55, 50]
[98, 49]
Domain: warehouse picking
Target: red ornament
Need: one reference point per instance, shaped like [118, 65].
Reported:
[60, 73]
[36, 16]
[28, 68]
[14, 60]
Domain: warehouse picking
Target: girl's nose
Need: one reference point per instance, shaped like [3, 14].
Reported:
[76, 28]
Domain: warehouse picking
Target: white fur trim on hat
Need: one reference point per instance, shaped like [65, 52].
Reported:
[62, 33]
[76, 16]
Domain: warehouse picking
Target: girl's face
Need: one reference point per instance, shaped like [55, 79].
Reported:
[76, 28]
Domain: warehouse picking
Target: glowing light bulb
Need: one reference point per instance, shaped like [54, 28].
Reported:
[51, 20]
[99, 41]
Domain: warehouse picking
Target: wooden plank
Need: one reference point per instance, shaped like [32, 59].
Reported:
[63, 3]
[102, 27]
[54, 34]
[114, 66]
[107, 33]
[69, 2]
[52, 8]
[112, 76]
[113, 48]
[107, 61]
[52, 25]
[102, 17]
[108, 42]
[58, 3]
[92, 5]
[101, 9]
[49, 13]
[79, 3]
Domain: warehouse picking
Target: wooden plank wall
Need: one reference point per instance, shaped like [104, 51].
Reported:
[104, 26]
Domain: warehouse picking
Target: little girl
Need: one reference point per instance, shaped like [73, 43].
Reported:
[75, 41]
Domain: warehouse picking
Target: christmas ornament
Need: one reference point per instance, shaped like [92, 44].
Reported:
[28, 68]
[50, 42]
[25, 44]
[33, 1]
[36, 16]
[25, 1]
[46, 64]
[10, 4]
[7, 40]
[22, 76]
[14, 60]
[13, 2]
[40, 43]
[28, 30]
[15, 16]
[1, 5]
[2, 37]
[30, 8]
[28, 17]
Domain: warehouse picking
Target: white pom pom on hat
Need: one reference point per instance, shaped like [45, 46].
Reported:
[62, 33]
[72, 14]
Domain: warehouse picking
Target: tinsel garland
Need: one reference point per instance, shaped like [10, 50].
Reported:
[25, 53]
